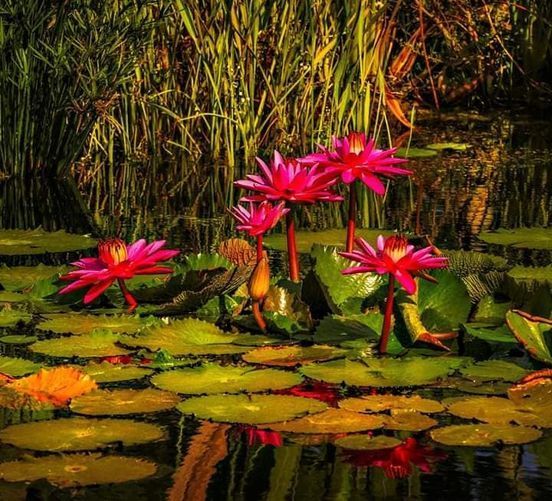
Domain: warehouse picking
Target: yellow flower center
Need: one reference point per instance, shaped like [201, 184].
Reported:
[395, 248]
[113, 251]
[355, 143]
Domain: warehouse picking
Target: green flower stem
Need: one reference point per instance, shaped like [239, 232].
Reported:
[386, 329]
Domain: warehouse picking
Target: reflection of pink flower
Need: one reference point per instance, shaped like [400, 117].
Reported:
[317, 390]
[394, 256]
[353, 157]
[259, 218]
[397, 462]
[261, 437]
[287, 180]
[118, 359]
[117, 261]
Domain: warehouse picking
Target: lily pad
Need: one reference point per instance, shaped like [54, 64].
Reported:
[491, 311]
[484, 435]
[380, 403]
[533, 333]
[332, 238]
[367, 443]
[448, 146]
[184, 337]
[17, 367]
[10, 317]
[416, 153]
[79, 434]
[19, 278]
[492, 335]
[125, 401]
[25, 242]
[405, 420]
[97, 344]
[77, 470]
[85, 324]
[105, 372]
[291, 356]
[521, 238]
[535, 395]
[331, 421]
[13, 297]
[250, 409]
[531, 273]
[214, 378]
[18, 339]
[339, 329]
[386, 372]
[493, 370]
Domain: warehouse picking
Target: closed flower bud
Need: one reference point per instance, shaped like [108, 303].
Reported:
[259, 282]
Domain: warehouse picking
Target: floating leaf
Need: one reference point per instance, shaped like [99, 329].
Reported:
[482, 388]
[332, 238]
[531, 273]
[79, 434]
[17, 367]
[290, 356]
[367, 443]
[484, 435]
[16, 242]
[384, 372]
[56, 386]
[125, 401]
[448, 146]
[78, 323]
[331, 421]
[534, 333]
[10, 317]
[105, 372]
[535, 395]
[339, 329]
[97, 344]
[416, 153]
[493, 370]
[405, 420]
[183, 337]
[77, 470]
[250, 409]
[19, 278]
[379, 403]
[523, 238]
[18, 339]
[489, 310]
[215, 378]
[491, 335]
[13, 297]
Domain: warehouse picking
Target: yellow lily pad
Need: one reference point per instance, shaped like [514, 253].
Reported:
[106, 372]
[97, 344]
[379, 403]
[78, 323]
[404, 420]
[367, 443]
[484, 435]
[26, 242]
[290, 356]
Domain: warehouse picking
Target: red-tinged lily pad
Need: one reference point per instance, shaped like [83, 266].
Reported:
[534, 333]
[484, 435]
[291, 356]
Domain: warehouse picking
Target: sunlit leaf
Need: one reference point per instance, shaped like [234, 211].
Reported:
[98, 344]
[448, 146]
[366, 442]
[415, 153]
[10, 317]
[15, 242]
[17, 367]
[78, 323]
[484, 435]
[105, 372]
[535, 334]
[290, 356]
[19, 278]
[379, 403]
[18, 339]
[405, 420]
[523, 238]
[493, 370]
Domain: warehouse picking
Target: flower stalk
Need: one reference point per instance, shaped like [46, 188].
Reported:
[259, 247]
[387, 319]
[292, 248]
[129, 298]
[351, 223]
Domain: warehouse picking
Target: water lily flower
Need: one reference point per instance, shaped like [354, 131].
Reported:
[288, 181]
[398, 462]
[355, 158]
[255, 436]
[260, 218]
[393, 256]
[117, 261]
[317, 390]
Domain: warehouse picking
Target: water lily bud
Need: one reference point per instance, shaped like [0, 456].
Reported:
[260, 280]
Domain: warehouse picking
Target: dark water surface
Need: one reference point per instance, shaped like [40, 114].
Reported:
[503, 180]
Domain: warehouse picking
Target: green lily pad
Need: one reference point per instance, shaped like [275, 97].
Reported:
[19, 278]
[185, 337]
[493, 370]
[531, 273]
[17, 367]
[13, 297]
[18, 339]
[478, 387]
[16, 242]
[125, 401]
[379, 403]
[484, 435]
[79, 434]
[257, 340]
[77, 470]
[534, 335]
[535, 397]
[105, 372]
[333, 238]
[331, 421]
[416, 153]
[339, 329]
[522, 238]
[488, 310]
[387, 372]
[250, 409]
[490, 334]
[367, 443]
[76, 323]
[9, 317]
[448, 146]
[290, 356]
[97, 344]
[495, 410]
[409, 421]
[163, 360]
[214, 378]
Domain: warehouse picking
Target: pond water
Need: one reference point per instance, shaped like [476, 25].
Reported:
[503, 180]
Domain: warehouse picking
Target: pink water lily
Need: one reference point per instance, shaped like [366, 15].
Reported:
[117, 261]
[393, 256]
[260, 218]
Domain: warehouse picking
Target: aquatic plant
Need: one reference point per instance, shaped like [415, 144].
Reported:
[354, 158]
[395, 257]
[117, 261]
[289, 181]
